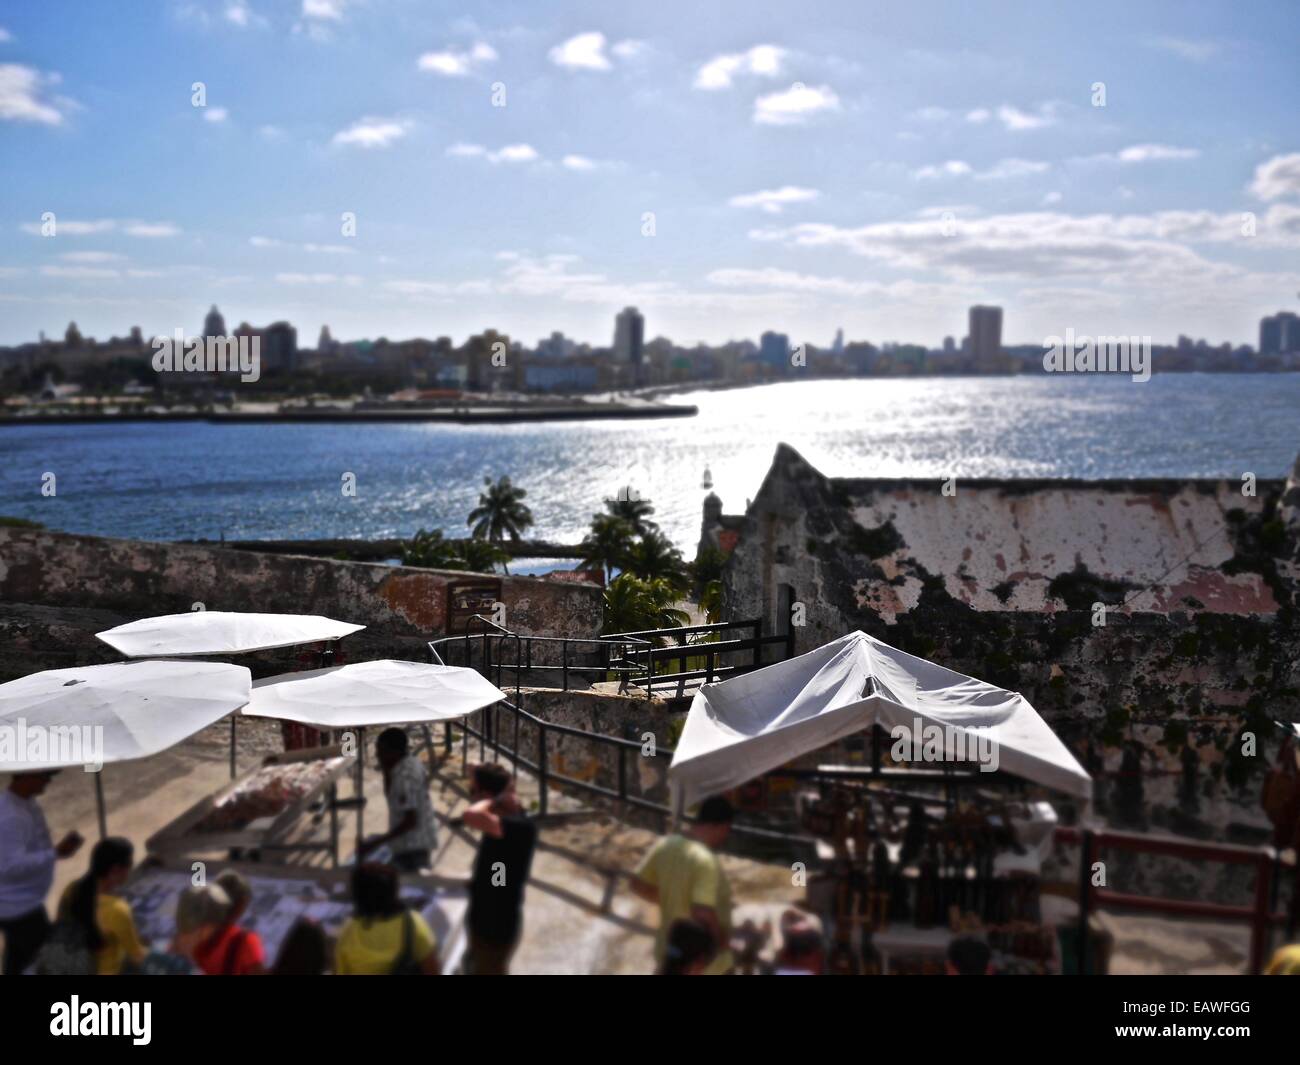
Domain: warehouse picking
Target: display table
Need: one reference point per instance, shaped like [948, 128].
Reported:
[282, 894]
[907, 939]
[259, 810]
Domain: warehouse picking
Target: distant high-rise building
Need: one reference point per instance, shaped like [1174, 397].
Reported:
[949, 346]
[774, 350]
[629, 339]
[985, 332]
[326, 345]
[1279, 333]
[214, 325]
[837, 345]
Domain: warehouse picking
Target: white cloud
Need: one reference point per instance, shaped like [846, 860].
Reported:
[628, 49]
[979, 115]
[794, 105]
[151, 230]
[454, 64]
[318, 279]
[578, 162]
[265, 242]
[1196, 51]
[1141, 153]
[91, 257]
[328, 249]
[1012, 168]
[774, 201]
[763, 60]
[586, 51]
[1018, 121]
[80, 273]
[931, 114]
[466, 150]
[270, 133]
[1051, 198]
[5, 35]
[21, 96]
[514, 153]
[323, 10]
[215, 114]
[952, 168]
[1278, 177]
[71, 228]
[371, 133]
[238, 13]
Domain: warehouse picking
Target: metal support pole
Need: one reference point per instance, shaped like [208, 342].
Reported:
[334, 825]
[361, 788]
[234, 724]
[541, 768]
[564, 663]
[99, 804]
[1261, 926]
[1085, 898]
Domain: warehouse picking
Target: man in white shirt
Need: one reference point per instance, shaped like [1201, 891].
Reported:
[27, 868]
[412, 833]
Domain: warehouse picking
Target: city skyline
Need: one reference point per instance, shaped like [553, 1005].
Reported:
[801, 179]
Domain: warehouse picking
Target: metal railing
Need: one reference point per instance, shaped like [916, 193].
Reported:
[446, 649]
[1261, 915]
[701, 660]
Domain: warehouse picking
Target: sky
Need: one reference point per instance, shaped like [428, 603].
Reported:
[409, 168]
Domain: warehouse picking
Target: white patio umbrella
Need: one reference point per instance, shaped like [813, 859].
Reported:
[92, 715]
[221, 632]
[384, 692]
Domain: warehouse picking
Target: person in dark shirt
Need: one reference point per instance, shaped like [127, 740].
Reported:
[505, 854]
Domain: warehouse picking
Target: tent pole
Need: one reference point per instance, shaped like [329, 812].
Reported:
[99, 804]
[361, 789]
[234, 724]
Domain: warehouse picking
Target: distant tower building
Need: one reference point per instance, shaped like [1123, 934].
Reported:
[949, 346]
[214, 325]
[837, 346]
[985, 332]
[629, 339]
[325, 345]
[72, 336]
[1279, 333]
[774, 350]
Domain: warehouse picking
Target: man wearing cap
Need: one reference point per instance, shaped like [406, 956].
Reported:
[27, 860]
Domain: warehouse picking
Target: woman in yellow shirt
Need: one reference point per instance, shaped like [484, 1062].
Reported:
[383, 937]
[105, 919]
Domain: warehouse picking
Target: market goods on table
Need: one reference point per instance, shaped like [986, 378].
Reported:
[267, 793]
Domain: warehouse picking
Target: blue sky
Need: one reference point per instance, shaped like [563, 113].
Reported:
[808, 166]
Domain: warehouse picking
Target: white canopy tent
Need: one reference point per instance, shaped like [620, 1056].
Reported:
[742, 728]
[221, 632]
[92, 715]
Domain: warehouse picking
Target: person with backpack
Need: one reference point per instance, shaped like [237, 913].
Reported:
[383, 937]
[27, 858]
[91, 911]
[232, 950]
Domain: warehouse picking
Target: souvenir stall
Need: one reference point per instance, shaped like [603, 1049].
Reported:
[922, 851]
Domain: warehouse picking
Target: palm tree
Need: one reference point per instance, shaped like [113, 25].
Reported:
[655, 558]
[607, 545]
[501, 512]
[482, 556]
[634, 605]
[636, 512]
[431, 551]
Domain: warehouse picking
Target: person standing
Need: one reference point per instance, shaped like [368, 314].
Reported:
[683, 876]
[412, 833]
[232, 950]
[27, 860]
[102, 917]
[383, 937]
[501, 869]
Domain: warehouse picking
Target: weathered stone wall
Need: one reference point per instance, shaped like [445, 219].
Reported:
[999, 581]
[402, 607]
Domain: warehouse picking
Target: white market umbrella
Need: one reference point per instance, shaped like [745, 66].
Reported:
[384, 692]
[221, 632]
[118, 712]
[742, 728]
